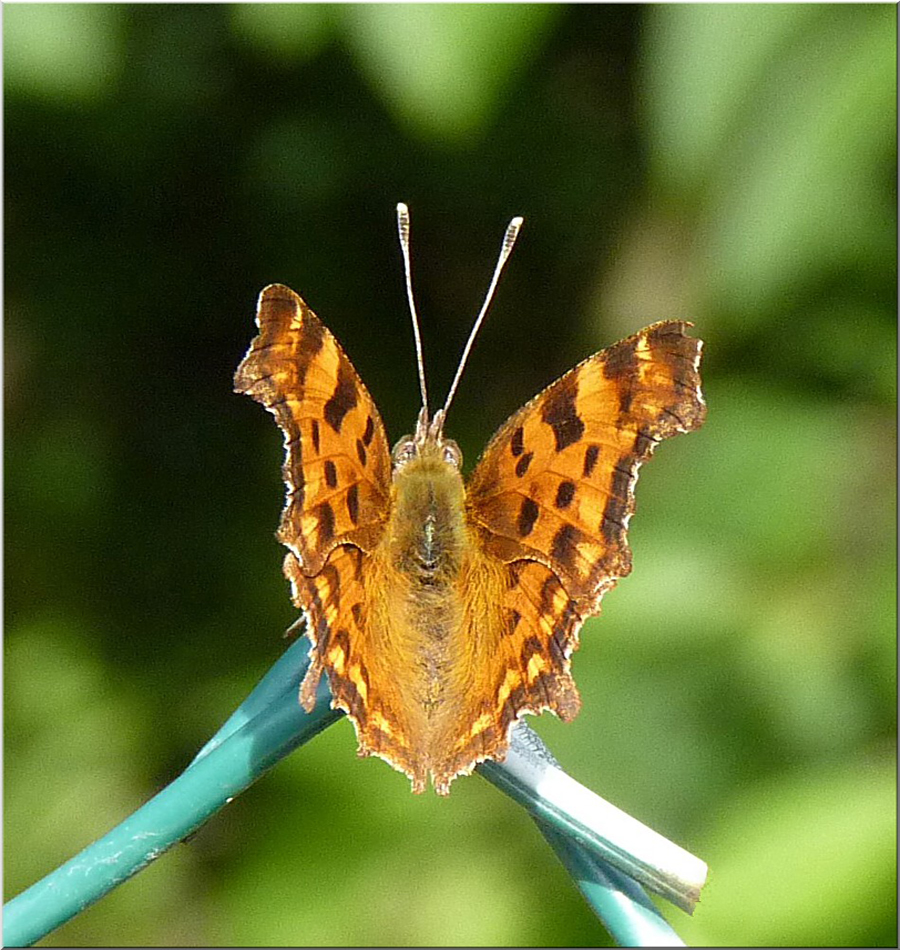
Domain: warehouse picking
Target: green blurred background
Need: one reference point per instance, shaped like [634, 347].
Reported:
[732, 165]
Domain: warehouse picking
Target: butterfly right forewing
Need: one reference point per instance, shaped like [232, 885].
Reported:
[556, 483]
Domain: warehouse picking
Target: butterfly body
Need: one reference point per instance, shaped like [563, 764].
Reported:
[442, 610]
[432, 601]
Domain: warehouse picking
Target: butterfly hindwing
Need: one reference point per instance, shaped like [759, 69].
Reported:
[337, 467]
[522, 649]
[556, 483]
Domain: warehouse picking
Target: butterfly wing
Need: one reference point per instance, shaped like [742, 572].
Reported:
[553, 493]
[337, 470]
[337, 466]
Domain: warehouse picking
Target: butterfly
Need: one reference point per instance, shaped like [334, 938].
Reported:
[443, 609]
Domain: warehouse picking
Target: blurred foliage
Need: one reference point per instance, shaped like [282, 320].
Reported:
[734, 165]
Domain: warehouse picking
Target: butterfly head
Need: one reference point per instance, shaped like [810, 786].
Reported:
[428, 443]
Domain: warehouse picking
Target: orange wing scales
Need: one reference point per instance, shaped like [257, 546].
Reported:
[337, 472]
[335, 605]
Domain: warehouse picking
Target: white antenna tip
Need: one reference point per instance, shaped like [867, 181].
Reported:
[403, 227]
[512, 232]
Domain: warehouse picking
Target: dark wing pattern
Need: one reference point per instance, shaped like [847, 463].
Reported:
[556, 483]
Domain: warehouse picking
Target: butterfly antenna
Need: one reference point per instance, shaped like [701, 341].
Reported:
[509, 239]
[403, 230]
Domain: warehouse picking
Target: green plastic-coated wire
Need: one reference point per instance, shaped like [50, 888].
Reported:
[248, 744]
[619, 901]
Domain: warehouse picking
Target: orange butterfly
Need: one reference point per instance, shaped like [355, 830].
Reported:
[442, 611]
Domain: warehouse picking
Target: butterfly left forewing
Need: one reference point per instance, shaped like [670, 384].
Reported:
[553, 493]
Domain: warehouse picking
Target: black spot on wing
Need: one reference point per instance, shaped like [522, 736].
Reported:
[564, 494]
[516, 443]
[512, 621]
[621, 365]
[564, 548]
[343, 399]
[621, 361]
[325, 515]
[357, 556]
[353, 503]
[528, 515]
[560, 413]
[310, 340]
[612, 527]
[523, 463]
[330, 474]
[591, 454]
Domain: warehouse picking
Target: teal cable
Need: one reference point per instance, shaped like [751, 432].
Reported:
[629, 915]
[531, 776]
[251, 742]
